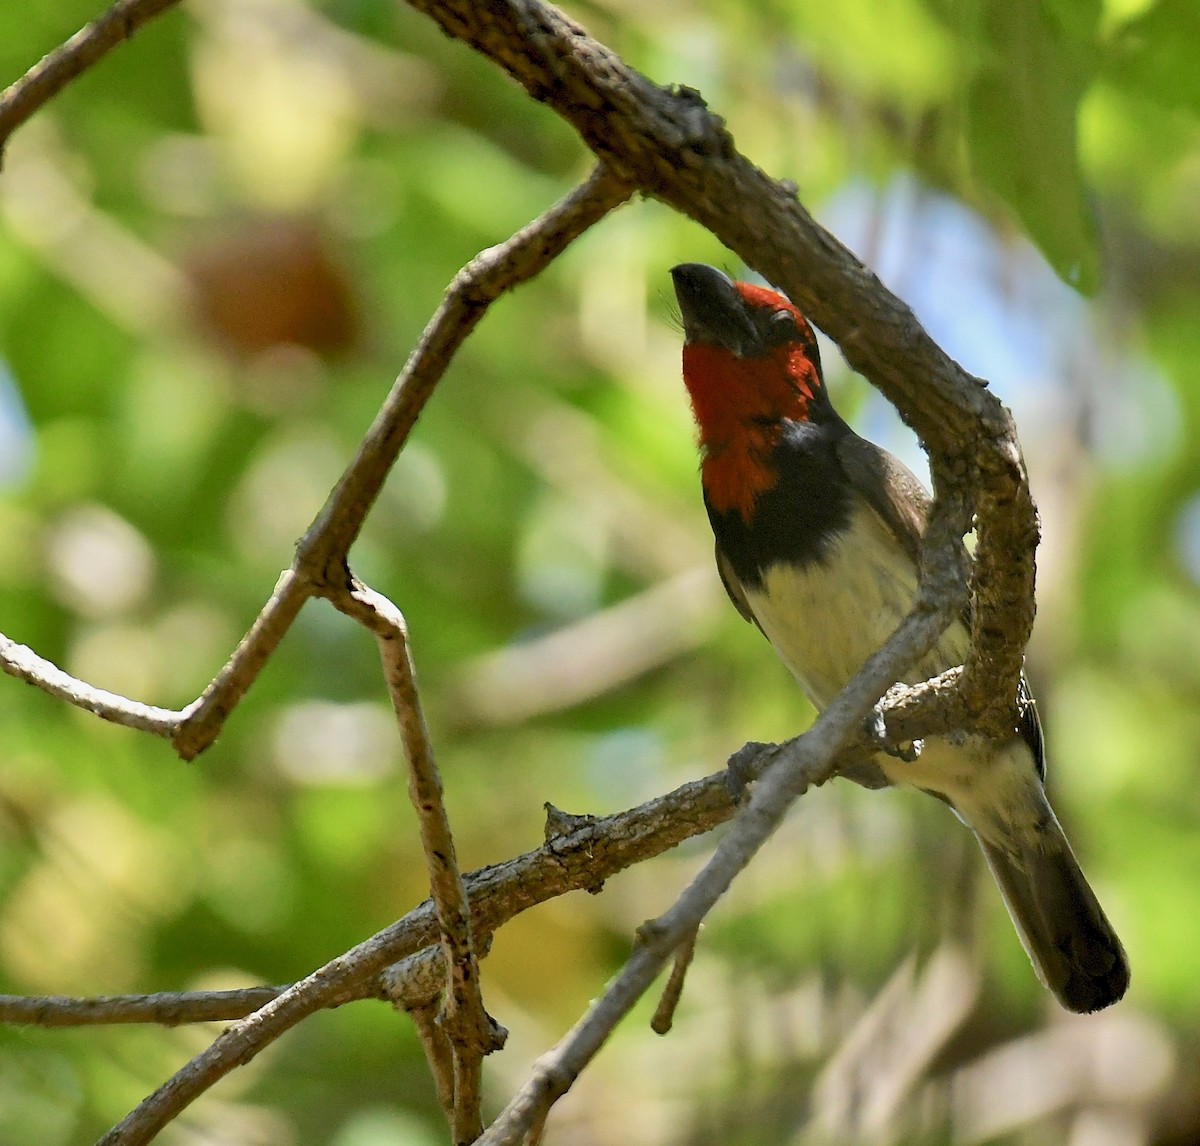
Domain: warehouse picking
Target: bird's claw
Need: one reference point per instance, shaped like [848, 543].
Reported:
[907, 750]
[746, 765]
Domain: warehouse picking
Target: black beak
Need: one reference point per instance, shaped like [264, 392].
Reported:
[713, 311]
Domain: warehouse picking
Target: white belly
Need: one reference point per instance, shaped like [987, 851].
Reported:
[826, 620]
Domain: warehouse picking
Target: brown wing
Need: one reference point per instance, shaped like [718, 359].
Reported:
[891, 489]
[733, 586]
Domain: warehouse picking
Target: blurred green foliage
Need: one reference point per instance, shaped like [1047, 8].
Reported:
[216, 250]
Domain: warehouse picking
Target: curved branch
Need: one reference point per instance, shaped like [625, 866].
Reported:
[673, 147]
[321, 555]
[54, 71]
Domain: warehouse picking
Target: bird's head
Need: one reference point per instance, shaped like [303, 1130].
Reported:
[750, 364]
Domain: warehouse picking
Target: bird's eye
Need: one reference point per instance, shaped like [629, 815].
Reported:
[781, 326]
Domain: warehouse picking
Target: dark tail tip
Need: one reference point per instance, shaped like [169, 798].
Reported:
[1097, 969]
[1062, 926]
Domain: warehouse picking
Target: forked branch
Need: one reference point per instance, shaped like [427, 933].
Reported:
[589, 852]
[670, 145]
[320, 560]
[321, 555]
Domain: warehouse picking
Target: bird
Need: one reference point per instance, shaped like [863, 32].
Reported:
[817, 535]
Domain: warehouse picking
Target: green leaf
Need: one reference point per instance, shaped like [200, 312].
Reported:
[1022, 105]
[1154, 55]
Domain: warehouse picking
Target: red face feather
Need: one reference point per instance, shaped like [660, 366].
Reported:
[740, 403]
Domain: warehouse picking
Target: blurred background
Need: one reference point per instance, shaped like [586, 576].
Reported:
[216, 251]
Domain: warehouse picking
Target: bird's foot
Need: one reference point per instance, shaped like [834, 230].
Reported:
[746, 765]
[907, 750]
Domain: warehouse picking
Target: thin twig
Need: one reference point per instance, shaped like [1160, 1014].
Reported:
[578, 859]
[53, 72]
[206, 716]
[414, 982]
[579, 854]
[483, 280]
[169, 1008]
[439, 1054]
[23, 663]
[664, 1013]
[470, 1031]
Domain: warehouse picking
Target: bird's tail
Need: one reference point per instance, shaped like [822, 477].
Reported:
[1073, 947]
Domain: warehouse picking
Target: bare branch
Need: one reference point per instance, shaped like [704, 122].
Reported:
[1006, 538]
[483, 280]
[170, 1008]
[206, 717]
[439, 1054]
[320, 560]
[23, 663]
[53, 72]
[410, 984]
[670, 145]
[809, 760]
[464, 1021]
[321, 555]
[580, 858]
